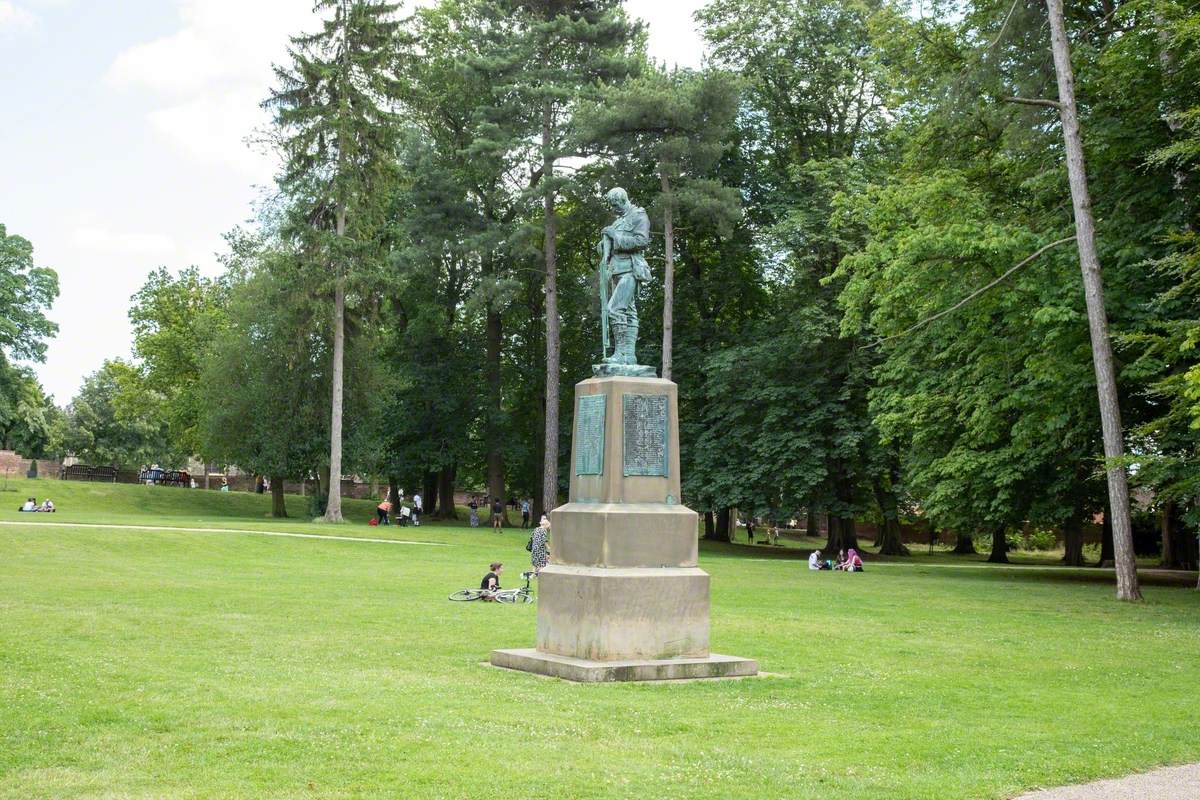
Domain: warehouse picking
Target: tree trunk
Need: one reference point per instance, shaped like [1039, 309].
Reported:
[1169, 558]
[1073, 540]
[965, 544]
[550, 463]
[999, 547]
[888, 540]
[278, 506]
[724, 525]
[849, 534]
[1106, 541]
[537, 298]
[833, 533]
[393, 495]
[668, 273]
[1102, 359]
[494, 436]
[710, 528]
[333, 508]
[207, 470]
[322, 492]
[445, 491]
[429, 492]
[812, 523]
[1179, 550]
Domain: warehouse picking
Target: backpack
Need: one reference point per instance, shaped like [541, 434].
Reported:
[373, 521]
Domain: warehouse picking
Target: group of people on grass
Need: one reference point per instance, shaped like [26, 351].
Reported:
[31, 505]
[405, 514]
[847, 561]
[496, 506]
[539, 556]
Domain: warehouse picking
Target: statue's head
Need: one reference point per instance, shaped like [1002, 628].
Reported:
[617, 199]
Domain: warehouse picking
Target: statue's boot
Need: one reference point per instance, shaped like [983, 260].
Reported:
[628, 341]
[617, 332]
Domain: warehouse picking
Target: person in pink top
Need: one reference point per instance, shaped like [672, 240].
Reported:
[853, 562]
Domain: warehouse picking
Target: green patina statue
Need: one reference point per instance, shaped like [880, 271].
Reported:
[623, 270]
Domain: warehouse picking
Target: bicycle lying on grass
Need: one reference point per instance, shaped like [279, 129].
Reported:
[522, 595]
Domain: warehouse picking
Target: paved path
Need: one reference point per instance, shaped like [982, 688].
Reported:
[1167, 783]
[171, 529]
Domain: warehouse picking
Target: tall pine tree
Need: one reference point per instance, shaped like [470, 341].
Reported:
[335, 123]
[546, 55]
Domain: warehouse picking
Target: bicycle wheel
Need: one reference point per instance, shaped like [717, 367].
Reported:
[467, 594]
[506, 597]
[524, 596]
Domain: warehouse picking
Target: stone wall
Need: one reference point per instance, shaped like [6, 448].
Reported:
[15, 466]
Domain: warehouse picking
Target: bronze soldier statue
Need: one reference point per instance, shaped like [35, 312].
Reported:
[623, 269]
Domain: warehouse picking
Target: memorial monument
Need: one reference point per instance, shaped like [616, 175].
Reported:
[623, 598]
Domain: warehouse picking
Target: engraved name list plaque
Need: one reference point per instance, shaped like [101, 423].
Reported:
[589, 435]
[645, 435]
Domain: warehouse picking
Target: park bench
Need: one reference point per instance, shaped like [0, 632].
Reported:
[88, 472]
[165, 477]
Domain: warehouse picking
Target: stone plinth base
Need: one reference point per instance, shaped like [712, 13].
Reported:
[625, 535]
[623, 613]
[583, 670]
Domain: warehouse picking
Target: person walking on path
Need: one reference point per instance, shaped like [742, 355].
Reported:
[417, 508]
[539, 546]
[497, 514]
[525, 513]
[474, 507]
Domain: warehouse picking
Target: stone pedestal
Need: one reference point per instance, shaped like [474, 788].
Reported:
[623, 598]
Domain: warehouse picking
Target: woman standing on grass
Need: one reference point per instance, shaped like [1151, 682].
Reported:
[539, 545]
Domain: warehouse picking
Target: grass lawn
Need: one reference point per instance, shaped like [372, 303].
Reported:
[173, 664]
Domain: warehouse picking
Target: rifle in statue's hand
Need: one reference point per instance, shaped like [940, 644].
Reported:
[605, 255]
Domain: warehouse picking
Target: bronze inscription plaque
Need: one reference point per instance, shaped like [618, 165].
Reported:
[589, 435]
[645, 434]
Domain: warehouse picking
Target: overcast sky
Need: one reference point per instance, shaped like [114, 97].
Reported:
[123, 142]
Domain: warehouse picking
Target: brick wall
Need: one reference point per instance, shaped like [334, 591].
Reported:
[15, 466]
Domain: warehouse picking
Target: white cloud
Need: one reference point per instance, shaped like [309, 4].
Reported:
[674, 38]
[212, 73]
[214, 129]
[220, 42]
[14, 18]
[100, 239]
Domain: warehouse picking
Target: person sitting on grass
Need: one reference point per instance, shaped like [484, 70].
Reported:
[853, 562]
[491, 581]
[841, 560]
[814, 560]
[47, 506]
[30, 505]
